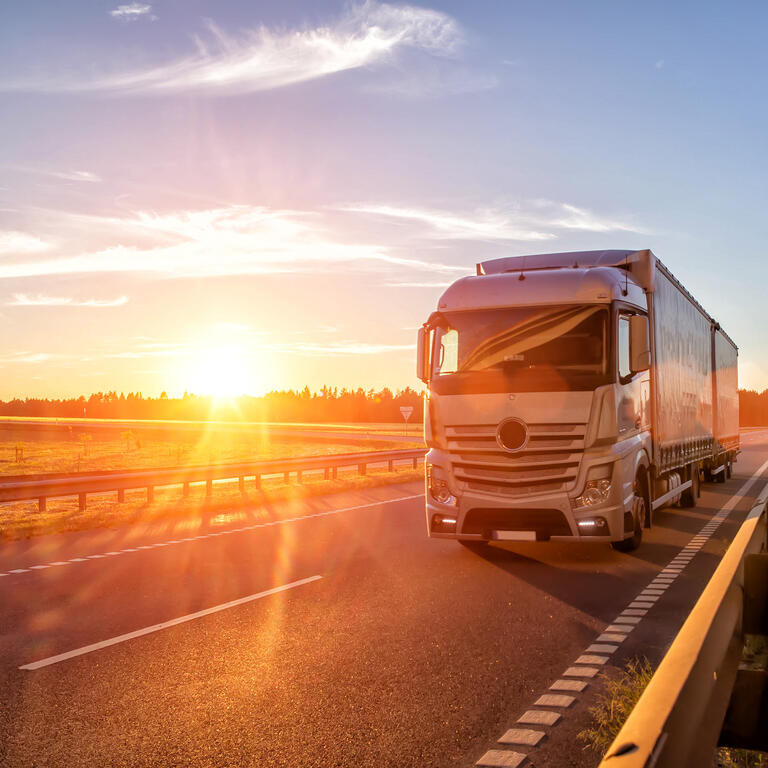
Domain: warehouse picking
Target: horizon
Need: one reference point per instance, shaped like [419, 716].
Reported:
[240, 198]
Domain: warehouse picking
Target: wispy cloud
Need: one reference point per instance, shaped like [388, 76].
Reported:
[341, 348]
[16, 243]
[483, 224]
[263, 59]
[235, 240]
[132, 11]
[580, 218]
[529, 221]
[86, 176]
[25, 300]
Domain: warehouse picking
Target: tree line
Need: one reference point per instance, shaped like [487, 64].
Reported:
[327, 405]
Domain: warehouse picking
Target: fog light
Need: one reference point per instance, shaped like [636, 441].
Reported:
[593, 526]
[443, 524]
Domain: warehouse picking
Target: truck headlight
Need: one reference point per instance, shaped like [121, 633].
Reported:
[597, 489]
[438, 486]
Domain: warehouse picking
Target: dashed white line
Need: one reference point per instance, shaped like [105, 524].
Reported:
[254, 527]
[164, 625]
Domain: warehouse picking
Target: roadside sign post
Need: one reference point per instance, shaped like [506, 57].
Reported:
[406, 410]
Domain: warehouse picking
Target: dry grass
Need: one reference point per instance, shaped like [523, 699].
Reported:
[135, 451]
[614, 705]
[23, 519]
[613, 708]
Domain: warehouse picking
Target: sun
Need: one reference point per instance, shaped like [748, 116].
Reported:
[222, 372]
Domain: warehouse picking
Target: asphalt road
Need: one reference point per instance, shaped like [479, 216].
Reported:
[385, 648]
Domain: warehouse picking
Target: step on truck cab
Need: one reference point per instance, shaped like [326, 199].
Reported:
[569, 395]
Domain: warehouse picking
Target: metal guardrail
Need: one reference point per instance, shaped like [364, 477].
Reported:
[703, 695]
[80, 484]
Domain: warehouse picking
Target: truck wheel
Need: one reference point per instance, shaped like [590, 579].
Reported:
[690, 495]
[720, 476]
[639, 507]
[729, 468]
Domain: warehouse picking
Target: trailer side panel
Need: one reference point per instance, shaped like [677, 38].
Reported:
[684, 428]
[726, 393]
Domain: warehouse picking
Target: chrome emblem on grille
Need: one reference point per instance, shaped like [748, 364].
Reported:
[512, 435]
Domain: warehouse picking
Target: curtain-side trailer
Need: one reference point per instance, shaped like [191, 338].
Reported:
[570, 395]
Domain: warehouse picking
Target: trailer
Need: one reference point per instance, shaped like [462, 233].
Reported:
[570, 395]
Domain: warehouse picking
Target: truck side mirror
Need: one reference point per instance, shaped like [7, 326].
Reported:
[422, 352]
[639, 344]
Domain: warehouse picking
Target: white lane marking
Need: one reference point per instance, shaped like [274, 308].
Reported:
[523, 736]
[568, 685]
[501, 758]
[611, 637]
[253, 527]
[602, 648]
[588, 658]
[165, 624]
[580, 672]
[538, 717]
[554, 700]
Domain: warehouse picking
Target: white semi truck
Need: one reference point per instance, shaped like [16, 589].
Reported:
[569, 395]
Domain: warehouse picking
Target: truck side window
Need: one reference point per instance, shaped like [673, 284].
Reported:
[624, 370]
[448, 362]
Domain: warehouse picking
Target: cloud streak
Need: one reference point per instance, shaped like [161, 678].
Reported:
[228, 241]
[132, 12]
[25, 300]
[14, 243]
[531, 221]
[264, 59]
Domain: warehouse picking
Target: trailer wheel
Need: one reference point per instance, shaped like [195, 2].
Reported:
[690, 495]
[720, 476]
[639, 512]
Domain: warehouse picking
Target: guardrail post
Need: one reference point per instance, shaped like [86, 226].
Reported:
[81, 501]
[361, 469]
[298, 476]
[287, 477]
[241, 484]
[257, 480]
[120, 495]
[41, 504]
[185, 490]
[326, 473]
[208, 487]
[415, 463]
[390, 466]
[335, 472]
[150, 494]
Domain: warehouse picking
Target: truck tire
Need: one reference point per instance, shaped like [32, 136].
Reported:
[639, 513]
[729, 468]
[690, 496]
[720, 476]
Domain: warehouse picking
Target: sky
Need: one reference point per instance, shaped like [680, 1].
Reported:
[240, 196]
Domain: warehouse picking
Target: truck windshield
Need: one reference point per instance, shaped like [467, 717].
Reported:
[521, 349]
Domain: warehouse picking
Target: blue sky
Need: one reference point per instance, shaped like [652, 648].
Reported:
[290, 184]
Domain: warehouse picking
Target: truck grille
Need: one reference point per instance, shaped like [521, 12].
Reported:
[548, 463]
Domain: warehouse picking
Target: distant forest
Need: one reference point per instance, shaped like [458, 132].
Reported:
[753, 408]
[327, 405]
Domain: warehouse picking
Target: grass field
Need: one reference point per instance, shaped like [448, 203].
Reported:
[92, 452]
[21, 520]
[85, 452]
